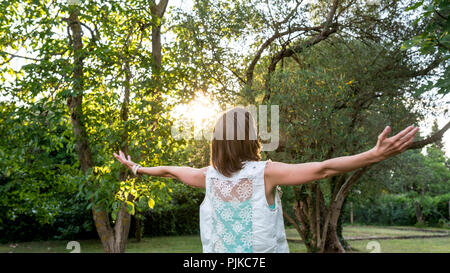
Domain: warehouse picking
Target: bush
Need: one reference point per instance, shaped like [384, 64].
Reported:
[23, 228]
[180, 217]
[73, 221]
[400, 210]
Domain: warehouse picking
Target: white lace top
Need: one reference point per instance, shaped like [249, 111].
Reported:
[235, 215]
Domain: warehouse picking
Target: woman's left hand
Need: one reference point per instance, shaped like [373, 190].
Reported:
[122, 159]
[388, 147]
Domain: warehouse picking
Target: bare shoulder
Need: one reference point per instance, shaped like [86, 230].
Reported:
[272, 170]
[202, 177]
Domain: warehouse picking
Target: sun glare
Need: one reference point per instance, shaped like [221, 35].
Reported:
[200, 113]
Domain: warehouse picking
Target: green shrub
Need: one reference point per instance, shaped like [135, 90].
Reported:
[73, 221]
[400, 210]
[179, 217]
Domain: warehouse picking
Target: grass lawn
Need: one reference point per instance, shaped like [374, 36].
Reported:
[163, 244]
[190, 244]
[428, 245]
[365, 231]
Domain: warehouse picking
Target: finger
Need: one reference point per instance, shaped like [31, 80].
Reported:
[121, 154]
[384, 134]
[410, 135]
[402, 133]
[405, 145]
[129, 157]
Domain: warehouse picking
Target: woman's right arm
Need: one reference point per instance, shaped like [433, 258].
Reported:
[278, 173]
[190, 176]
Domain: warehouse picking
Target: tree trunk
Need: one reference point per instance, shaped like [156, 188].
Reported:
[317, 235]
[156, 48]
[316, 222]
[75, 100]
[138, 229]
[121, 230]
[351, 213]
[113, 240]
[157, 10]
[340, 228]
[419, 215]
[332, 242]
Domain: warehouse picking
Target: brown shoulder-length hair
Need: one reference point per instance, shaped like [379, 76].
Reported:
[234, 141]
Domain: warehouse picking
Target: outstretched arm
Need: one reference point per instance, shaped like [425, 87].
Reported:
[278, 173]
[191, 176]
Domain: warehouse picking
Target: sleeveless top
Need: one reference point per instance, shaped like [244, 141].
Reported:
[235, 216]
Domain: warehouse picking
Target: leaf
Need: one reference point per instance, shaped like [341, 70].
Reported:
[114, 215]
[151, 203]
[415, 6]
[131, 209]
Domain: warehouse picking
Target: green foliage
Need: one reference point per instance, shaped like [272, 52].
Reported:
[436, 33]
[400, 210]
[37, 161]
[429, 176]
[179, 216]
[39, 175]
[390, 197]
[40, 165]
[435, 38]
[332, 103]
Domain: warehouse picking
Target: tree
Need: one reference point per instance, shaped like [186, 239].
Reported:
[96, 59]
[338, 61]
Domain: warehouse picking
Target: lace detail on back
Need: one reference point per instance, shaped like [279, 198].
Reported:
[228, 191]
[233, 212]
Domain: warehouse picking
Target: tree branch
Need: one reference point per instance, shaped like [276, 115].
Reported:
[18, 56]
[160, 8]
[296, 226]
[431, 139]
[435, 63]
[330, 16]
[299, 48]
[289, 16]
[328, 28]
[276, 35]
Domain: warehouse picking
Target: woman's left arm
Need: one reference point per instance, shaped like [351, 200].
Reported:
[190, 176]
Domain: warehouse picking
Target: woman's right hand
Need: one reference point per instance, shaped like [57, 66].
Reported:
[122, 159]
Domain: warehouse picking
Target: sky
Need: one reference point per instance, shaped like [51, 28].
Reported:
[425, 125]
